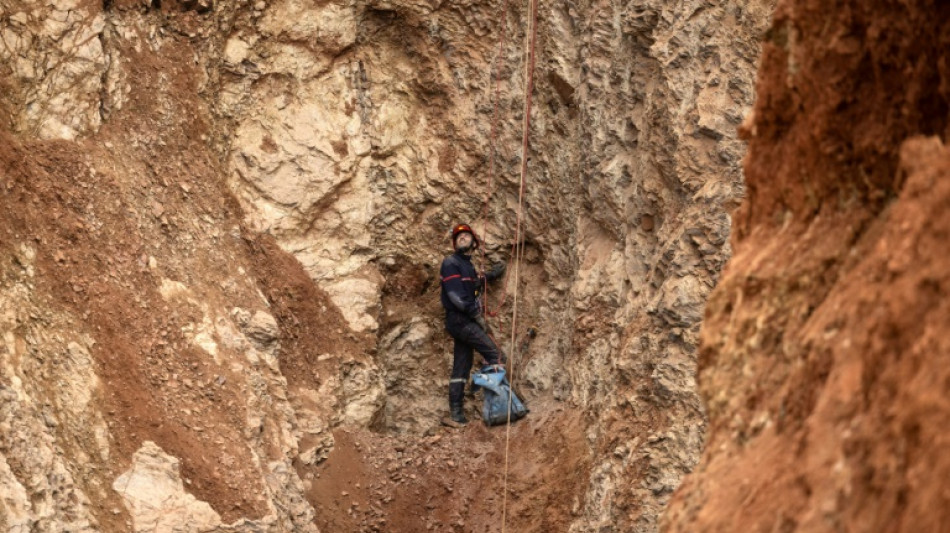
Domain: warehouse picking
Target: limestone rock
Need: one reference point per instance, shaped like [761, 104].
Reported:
[261, 328]
[16, 506]
[358, 299]
[54, 59]
[155, 495]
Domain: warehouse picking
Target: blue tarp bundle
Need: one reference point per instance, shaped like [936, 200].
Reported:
[497, 390]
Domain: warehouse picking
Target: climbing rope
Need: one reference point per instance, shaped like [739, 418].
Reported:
[517, 245]
[530, 43]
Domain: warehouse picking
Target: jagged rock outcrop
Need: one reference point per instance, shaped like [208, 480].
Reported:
[104, 351]
[824, 348]
[129, 314]
[234, 212]
[662, 91]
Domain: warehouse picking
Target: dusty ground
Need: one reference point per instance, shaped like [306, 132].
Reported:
[453, 480]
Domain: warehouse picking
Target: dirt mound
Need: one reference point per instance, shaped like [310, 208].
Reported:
[824, 348]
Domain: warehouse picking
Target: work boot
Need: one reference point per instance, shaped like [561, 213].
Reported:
[458, 414]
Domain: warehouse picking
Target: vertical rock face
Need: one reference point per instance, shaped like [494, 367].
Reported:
[824, 349]
[237, 249]
[359, 151]
[663, 89]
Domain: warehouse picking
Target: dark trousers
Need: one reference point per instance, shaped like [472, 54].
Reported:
[468, 337]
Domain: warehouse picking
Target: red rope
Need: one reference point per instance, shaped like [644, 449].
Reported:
[519, 241]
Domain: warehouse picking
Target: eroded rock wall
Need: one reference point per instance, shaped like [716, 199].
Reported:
[824, 348]
[663, 90]
[360, 150]
[387, 129]
[140, 372]
[54, 64]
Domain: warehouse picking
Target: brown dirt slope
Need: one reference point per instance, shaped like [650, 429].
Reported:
[94, 236]
[454, 480]
[825, 354]
[110, 217]
[310, 324]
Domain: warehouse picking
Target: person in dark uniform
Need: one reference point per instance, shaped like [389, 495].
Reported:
[464, 316]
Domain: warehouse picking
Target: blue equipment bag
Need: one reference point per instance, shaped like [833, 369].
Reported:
[497, 391]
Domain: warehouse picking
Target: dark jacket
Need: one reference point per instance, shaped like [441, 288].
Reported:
[461, 286]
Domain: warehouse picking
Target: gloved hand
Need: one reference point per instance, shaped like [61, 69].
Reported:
[480, 320]
[496, 271]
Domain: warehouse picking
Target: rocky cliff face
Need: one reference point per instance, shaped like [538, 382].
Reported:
[223, 223]
[823, 359]
[661, 99]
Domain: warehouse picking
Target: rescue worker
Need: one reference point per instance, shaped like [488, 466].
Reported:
[464, 316]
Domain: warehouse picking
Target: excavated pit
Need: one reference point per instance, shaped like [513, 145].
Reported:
[221, 224]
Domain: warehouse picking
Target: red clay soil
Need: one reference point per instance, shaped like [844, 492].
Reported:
[93, 237]
[454, 480]
[310, 323]
[825, 357]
